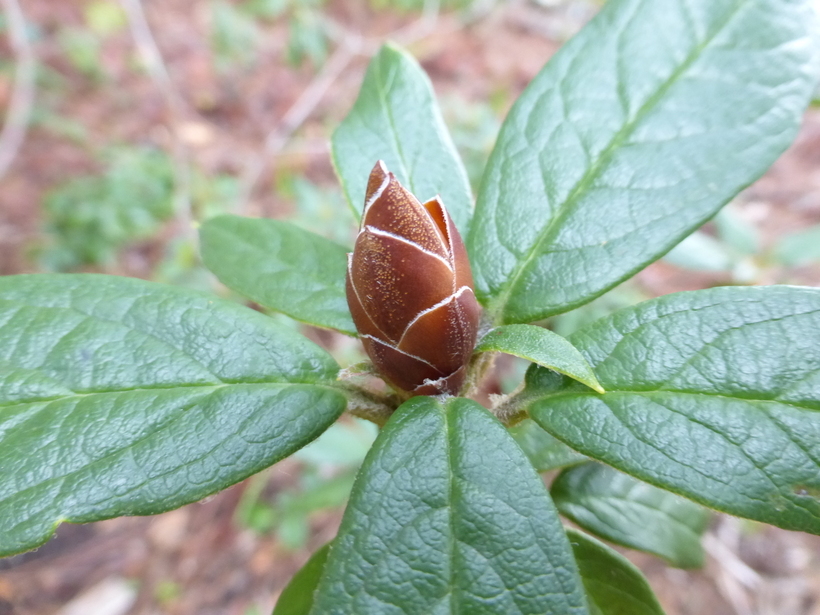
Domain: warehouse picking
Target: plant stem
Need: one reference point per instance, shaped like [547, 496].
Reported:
[367, 404]
[476, 370]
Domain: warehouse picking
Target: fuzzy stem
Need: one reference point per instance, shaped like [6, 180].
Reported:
[477, 369]
[367, 404]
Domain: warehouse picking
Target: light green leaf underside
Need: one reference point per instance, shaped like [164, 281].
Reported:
[448, 517]
[631, 513]
[613, 584]
[543, 347]
[636, 132]
[280, 266]
[396, 119]
[119, 396]
[712, 394]
[544, 451]
[297, 597]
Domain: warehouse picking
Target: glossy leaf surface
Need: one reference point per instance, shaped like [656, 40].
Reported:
[124, 397]
[635, 133]
[631, 513]
[613, 584]
[544, 451]
[297, 597]
[712, 394]
[543, 347]
[280, 266]
[396, 119]
[447, 516]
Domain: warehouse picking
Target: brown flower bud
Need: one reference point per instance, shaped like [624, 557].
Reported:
[410, 290]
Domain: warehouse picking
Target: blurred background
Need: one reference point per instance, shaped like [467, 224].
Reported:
[126, 122]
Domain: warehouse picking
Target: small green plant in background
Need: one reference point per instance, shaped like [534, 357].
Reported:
[90, 218]
[83, 45]
[736, 250]
[236, 30]
[234, 36]
[128, 397]
[308, 34]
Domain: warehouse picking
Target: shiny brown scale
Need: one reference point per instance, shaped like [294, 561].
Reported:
[410, 290]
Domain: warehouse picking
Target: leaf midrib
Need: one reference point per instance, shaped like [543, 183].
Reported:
[497, 307]
[91, 316]
[382, 88]
[177, 414]
[647, 477]
[450, 500]
[140, 389]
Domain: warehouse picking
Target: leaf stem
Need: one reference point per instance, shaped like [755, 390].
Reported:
[479, 364]
[367, 404]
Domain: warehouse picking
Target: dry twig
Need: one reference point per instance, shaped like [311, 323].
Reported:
[297, 114]
[152, 58]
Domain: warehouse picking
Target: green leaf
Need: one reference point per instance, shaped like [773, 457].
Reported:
[281, 267]
[636, 132]
[799, 248]
[628, 512]
[739, 234]
[544, 451]
[712, 394]
[447, 516]
[396, 119]
[614, 585]
[543, 347]
[124, 397]
[700, 252]
[297, 597]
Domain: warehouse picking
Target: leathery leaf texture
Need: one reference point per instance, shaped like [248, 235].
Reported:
[712, 394]
[124, 397]
[635, 133]
[447, 516]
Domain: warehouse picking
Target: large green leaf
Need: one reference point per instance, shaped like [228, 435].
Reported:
[297, 597]
[119, 396]
[396, 119]
[614, 585]
[713, 394]
[543, 347]
[635, 133]
[629, 512]
[447, 516]
[281, 267]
